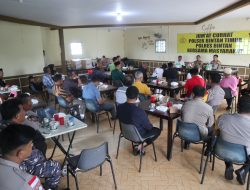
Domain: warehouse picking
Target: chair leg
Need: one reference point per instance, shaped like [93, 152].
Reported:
[97, 123]
[76, 181]
[182, 145]
[248, 180]
[141, 151]
[204, 170]
[114, 127]
[100, 170]
[109, 120]
[67, 176]
[120, 136]
[213, 163]
[202, 153]
[154, 151]
[112, 170]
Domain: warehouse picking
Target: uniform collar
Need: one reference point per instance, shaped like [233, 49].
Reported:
[8, 163]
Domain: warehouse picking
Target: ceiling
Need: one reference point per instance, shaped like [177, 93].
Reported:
[103, 12]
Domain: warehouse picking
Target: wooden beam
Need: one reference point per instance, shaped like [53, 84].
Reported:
[62, 47]
[127, 25]
[225, 10]
[28, 22]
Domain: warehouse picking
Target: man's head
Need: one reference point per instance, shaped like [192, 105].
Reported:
[244, 104]
[31, 78]
[194, 71]
[227, 72]
[199, 91]
[58, 80]
[16, 142]
[138, 76]
[12, 110]
[1, 73]
[73, 75]
[215, 57]
[170, 65]
[118, 58]
[46, 70]
[114, 59]
[144, 65]
[132, 94]
[128, 81]
[26, 102]
[215, 78]
[95, 80]
[83, 79]
[198, 57]
[118, 64]
[179, 58]
[164, 66]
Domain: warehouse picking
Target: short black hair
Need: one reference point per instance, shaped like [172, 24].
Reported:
[216, 55]
[57, 77]
[95, 78]
[23, 98]
[114, 59]
[194, 71]
[30, 77]
[14, 136]
[10, 108]
[83, 78]
[128, 80]
[199, 91]
[132, 92]
[170, 64]
[164, 66]
[45, 69]
[1, 69]
[215, 78]
[117, 63]
[244, 104]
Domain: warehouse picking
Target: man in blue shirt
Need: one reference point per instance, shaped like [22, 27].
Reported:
[129, 113]
[94, 101]
[48, 82]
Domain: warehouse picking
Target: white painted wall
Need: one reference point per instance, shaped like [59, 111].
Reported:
[133, 46]
[51, 45]
[96, 42]
[20, 49]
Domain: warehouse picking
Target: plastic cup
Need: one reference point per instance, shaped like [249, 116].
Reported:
[61, 120]
[56, 117]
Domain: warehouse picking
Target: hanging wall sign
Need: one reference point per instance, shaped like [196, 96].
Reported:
[214, 43]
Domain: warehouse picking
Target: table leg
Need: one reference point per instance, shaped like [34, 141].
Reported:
[54, 149]
[161, 124]
[170, 134]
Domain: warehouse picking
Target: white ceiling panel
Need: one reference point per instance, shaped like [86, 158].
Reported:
[99, 12]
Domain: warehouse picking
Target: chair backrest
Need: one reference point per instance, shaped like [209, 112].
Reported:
[93, 157]
[188, 131]
[91, 105]
[130, 132]
[62, 102]
[230, 152]
[228, 93]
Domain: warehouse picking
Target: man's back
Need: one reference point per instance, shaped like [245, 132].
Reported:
[171, 74]
[198, 112]
[90, 92]
[131, 114]
[13, 178]
[194, 81]
[235, 128]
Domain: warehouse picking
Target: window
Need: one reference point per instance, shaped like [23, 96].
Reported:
[76, 48]
[160, 46]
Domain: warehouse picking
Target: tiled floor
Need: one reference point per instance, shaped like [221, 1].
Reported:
[181, 173]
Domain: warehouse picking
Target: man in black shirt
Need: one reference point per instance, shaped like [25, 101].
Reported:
[144, 69]
[171, 74]
[2, 83]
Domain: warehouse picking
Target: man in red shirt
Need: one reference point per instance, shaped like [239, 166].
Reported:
[196, 80]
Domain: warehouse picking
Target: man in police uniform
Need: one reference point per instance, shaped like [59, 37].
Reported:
[15, 146]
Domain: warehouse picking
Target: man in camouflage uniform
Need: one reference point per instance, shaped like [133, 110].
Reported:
[35, 164]
[13, 152]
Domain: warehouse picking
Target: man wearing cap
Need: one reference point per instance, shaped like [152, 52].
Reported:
[229, 82]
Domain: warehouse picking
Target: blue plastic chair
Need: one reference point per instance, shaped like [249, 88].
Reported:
[229, 152]
[189, 132]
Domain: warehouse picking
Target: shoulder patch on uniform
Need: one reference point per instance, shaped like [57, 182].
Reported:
[35, 183]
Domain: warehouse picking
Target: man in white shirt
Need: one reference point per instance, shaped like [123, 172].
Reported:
[179, 63]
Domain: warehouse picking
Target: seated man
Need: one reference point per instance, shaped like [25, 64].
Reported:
[143, 88]
[144, 69]
[72, 99]
[2, 82]
[99, 71]
[129, 113]
[117, 74]
[70, 82]
[235, 128]
[216, 93]
[171, 74]
[34, 84]
[198, 112]
[94, 101]
[158, 72]
[36, 164]
[229, 82]
[196, 80]
[111, 66]
[14, 152]
[120, 95]
[216, 64]
[179, 63]
[47, 79]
